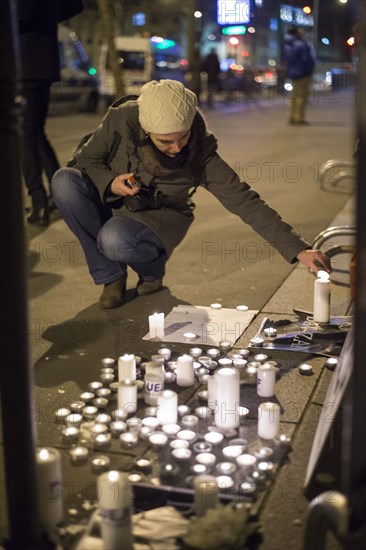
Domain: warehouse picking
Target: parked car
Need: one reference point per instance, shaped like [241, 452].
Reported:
[79, 84]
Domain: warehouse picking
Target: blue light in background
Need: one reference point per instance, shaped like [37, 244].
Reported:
[138, 19]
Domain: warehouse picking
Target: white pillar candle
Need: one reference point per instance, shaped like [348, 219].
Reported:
[266, 380]
[115, 505]
[127, 396]
[154, 382]
[167, 407]
[211, 393]
[127, 367]
[156, 325]
[268, 420]
[50, 486]
[206, 494]
[322, 297]
[185, 371]
[227, 398]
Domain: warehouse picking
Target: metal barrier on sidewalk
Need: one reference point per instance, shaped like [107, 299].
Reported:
[337, 171]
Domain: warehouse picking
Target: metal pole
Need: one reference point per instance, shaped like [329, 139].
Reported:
[316, 25]
[15, 373]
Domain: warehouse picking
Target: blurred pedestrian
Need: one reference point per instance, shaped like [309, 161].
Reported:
[195, 70]
[299, 63]
[39, 67]
[162, 141]
[211, 65]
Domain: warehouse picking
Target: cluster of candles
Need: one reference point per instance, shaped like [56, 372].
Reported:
[202, 441]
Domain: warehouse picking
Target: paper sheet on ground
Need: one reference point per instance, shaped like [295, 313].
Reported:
[210, 325]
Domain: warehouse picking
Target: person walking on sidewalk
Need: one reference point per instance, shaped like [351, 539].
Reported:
[211, 65]
[299, 64]
[39, 67]
[162, 141]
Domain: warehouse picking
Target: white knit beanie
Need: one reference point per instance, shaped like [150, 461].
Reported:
[166, 107]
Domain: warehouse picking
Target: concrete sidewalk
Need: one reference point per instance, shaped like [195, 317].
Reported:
[220, 260]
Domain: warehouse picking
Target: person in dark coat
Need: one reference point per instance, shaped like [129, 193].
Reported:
[161, 140]
[299, 65]
[39, 67]
[211, 65]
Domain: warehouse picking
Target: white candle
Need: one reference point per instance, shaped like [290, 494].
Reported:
[127, 396]
[154, 382]
[115, 505]
[227, 398]
[208, 459]
[185, 371]
[156, 326]
[50, 486]
[165, 353]
[266, 380]
[127, 367]
[206, 494]
[167, 407]
[268, 420]
[322, 288]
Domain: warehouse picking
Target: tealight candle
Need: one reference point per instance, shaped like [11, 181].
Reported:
[179, 443]
[270, 332]
[127, 396]
[226, 468]
[113, 386]
[225, 482]
[107, 378]
[331, 363]
[77, 406]
[143, 464]
[127, 367]
[100, 464]
[208, 459]
[266, 380]
[156, 326]
[203, 412]
[225, 362]
[246, 461]
[144, 432]
[190, 336]
[183, 409]
[187, 435]
[252, 368]
[185, 371]
[129, 439]
[181, 454]
[165, 353]
[87, 397]
[71, 433]
[232, 451]
[74, 419]
[268, 420]
[260, 357]
[117, 428]
[106, 370]
[167, 407]
[158, 439]
[62, 413]
[244, 352]
[134, 423]
[171, 429]
[169, 377]
[257, 341]
[282, 439]
[242, 307]
[97, 429]
[248, 488]
[150, 421]
[108, 362]
[305, 369]
[119, 414]
[202, 447]
[104, 418]
[214, 437]
[151, 411]
[100, 402]
[50, 485]
[243, 412]
[195, 352]
[240, 363]
[213, 353]
[93, 386]
[225, 345]
[227, 390]
[266, 466]
[198, 469]
[103, 392]
[78, 454]
[115, 503]
[190, 420]
[206, 494]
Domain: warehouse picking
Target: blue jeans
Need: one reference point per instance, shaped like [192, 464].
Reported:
[110, 243]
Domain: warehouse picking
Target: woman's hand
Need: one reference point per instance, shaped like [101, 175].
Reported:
[315, 259]
[119, 186]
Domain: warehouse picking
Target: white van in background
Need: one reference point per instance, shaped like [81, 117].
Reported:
[141, 60]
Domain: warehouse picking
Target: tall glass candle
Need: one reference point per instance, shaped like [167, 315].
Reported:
[115, 506]
[322, 287]
[127, 367]
[156, 325]
[50, 486]
[185, 371]
[206, 494]
[227, 398]
[268, 420]
[266, 380]
[154, 381]
[127, 396]
[167, 407]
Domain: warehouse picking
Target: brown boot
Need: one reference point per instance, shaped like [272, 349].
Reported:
[148, 287]
[113, 294]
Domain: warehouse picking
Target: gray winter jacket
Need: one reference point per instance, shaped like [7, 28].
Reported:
[204, 167]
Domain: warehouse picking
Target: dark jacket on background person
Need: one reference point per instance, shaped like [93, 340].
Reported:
[202, 166]
[298, 57]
